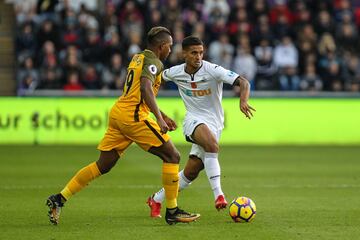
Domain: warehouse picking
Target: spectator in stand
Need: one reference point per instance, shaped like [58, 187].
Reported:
[48, 55]
[93, 48]
[200, 32]
[342, 8]
[73, 82]
[307, 43]
[171, 12]
[28, 83]
[221, 51]
[70, 50]
[280, 10]
[91, 79]
[282, 27]
[286, 59]
[326, 44]
[154, 19]
[25, 11]
[113, 76]
[48, 32]
[352, 73]
[347, 34]
[238, 24]
[245, 65]
[27, 69]
[50, 79]
[258, 8]
[310, 81]
[108, 18]
[324, 23]
[302, 18]
[176, 56]
[72, 64]
[331, 71]
[266, 70]
[86, 19]
[70, 34]
[26, 42]
[214, 9]
[131, 18]
[113, 45]
[189, 18]
[216, 23]
[134, 44]
[262, 30]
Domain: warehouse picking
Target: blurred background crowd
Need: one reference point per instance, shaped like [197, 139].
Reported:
[294, 45]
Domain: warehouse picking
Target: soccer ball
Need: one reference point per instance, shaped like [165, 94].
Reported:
[242, 209]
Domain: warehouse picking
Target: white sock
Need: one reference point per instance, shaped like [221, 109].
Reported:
[183, 183]
[212, 169]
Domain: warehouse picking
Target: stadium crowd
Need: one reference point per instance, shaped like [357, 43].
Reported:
[309, 45]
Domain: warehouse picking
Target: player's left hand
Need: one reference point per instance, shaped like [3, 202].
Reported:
[171, 123]
[246, 109]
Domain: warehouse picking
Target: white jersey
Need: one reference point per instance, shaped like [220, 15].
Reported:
[202, 91]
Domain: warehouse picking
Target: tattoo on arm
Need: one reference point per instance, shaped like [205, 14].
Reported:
[244, 85]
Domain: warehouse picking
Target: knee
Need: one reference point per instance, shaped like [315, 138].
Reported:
[192, 174]
[212, 147]
[105, 166]
[174, 157]
[105, 169]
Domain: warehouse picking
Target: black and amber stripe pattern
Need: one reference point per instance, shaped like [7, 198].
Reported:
[157, 134]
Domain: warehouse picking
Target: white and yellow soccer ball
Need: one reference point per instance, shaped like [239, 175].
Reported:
[242, 209]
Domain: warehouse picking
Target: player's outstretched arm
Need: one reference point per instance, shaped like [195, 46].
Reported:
[244, 85]
[149, 98]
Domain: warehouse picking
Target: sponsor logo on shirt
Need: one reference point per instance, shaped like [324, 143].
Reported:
[197, 93]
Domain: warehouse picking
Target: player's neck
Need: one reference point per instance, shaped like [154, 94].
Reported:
[153, 50]
[190, 69]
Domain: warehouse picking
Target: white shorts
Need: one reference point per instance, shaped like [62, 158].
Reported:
[189, 127]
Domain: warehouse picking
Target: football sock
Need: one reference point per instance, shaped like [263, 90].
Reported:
[212, 169]
[80, 180]
[170, 180]
[183, 183]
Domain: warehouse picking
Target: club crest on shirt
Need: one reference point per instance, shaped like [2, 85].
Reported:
[153, 69]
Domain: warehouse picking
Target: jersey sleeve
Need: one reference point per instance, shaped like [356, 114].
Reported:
[224, 75]
[151, 69]
[166, 75]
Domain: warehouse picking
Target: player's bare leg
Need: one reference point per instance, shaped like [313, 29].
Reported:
[107, 160]
[171, 157]
[206, 139]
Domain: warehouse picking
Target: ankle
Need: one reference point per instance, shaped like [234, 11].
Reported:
[172, 210]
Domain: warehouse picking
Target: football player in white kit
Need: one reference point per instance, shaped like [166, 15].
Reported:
[200, 85]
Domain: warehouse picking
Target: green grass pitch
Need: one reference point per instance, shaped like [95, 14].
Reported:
[300, 193]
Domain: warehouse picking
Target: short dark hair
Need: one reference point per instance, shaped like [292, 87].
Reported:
[191, 41]
[157, 35]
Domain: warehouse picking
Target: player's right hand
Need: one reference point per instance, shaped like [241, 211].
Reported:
[246, 109]
[163, 126]
[171, 123]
